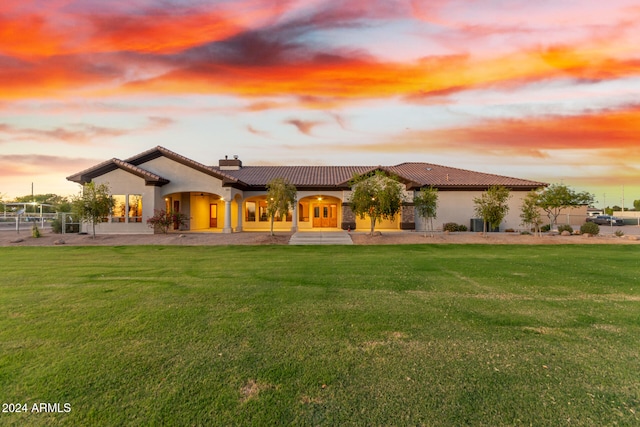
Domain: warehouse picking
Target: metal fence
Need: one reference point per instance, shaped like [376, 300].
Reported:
[62, 222]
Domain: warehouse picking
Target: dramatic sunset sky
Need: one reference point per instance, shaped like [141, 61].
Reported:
[546, 90]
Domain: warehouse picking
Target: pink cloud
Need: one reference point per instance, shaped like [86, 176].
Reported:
[254, 131]
[304, 126]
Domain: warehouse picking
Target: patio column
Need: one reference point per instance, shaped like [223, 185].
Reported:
[294, 224]
[240, 214]
[227, 216]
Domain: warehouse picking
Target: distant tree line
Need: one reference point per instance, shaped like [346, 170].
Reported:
[51, 203]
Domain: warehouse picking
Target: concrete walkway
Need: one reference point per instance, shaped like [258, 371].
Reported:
[321, 238]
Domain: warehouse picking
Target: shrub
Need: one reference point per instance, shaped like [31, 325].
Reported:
[619, 233]
[35, 232]
[56, 226]
[162, 220]
[452, 226]
[565, 227]
[526, 233]
[545, 228]
[590, 228]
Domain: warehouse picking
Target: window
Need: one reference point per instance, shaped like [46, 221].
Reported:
[135, 208]
[263, 215]
[127, 208]
[251, 212]
[119, 208]
[303, 212]
[262, 210]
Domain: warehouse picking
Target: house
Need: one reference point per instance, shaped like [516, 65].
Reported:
[231, 197]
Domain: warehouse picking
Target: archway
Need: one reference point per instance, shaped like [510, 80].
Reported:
[204, 211]
[319, 212]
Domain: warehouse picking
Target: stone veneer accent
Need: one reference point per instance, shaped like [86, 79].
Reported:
[348, 218]
[408, 217]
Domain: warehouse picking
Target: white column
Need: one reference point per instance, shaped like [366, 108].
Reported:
[227, 216]
[294, 224]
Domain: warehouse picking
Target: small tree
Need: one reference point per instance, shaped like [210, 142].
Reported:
[281, 198]
[636, 205]
[426, 205]
[376, 195]
[492, 206]
[93, 204]
[557, 197]
[530, 212]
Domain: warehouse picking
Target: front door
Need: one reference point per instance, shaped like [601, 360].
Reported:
[325, 215]
[213, 216]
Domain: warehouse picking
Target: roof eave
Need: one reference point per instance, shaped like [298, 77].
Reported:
[88, 175]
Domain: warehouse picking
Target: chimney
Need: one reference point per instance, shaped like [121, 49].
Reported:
[227, 164]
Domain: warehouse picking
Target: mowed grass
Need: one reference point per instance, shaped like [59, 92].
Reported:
[363, 335]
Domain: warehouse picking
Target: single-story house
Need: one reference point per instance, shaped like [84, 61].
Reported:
[231, 197]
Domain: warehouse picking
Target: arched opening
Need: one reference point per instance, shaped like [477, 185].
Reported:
[204, 211]
[319, 212]
[257, 218]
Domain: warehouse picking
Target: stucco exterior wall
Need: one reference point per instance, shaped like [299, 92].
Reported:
[458, 207]
[385, 224]
[184, 178]
[121, 182]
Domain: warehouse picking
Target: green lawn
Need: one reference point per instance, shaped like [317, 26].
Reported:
[362, 335]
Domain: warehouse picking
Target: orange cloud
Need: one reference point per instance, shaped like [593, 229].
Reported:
[56, 31]
[609, 133]
[353, 75]
[29, 36]
[169, 30]
[243, 49]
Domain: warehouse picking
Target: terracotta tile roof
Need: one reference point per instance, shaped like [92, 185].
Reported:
[443, 176]
[300, 176]
[413, 174]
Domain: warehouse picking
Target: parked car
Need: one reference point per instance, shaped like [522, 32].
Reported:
[605, 220]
